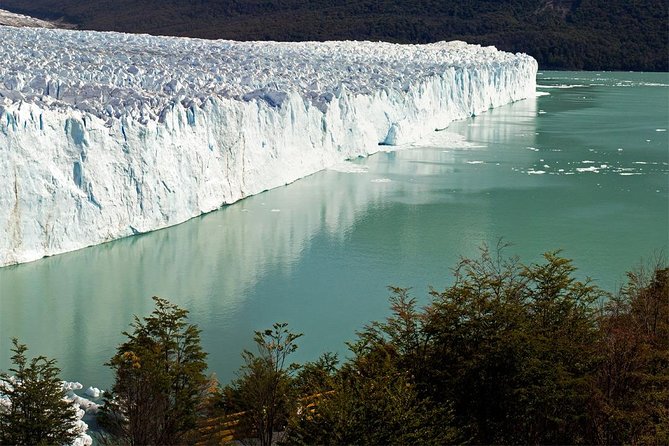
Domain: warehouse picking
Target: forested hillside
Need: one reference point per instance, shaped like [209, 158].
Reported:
[563, 34]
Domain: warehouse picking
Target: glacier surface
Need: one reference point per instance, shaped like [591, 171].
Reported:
[106, 135]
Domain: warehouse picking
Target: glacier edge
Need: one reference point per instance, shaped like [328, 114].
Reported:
[75, 178]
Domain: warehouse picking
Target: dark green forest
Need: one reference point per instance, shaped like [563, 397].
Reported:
[560, 34]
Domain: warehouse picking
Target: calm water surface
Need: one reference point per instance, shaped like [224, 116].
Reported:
[584, 169]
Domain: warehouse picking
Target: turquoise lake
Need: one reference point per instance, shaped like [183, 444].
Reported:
[584, 168]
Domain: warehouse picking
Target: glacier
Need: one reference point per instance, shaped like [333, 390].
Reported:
[106, 135]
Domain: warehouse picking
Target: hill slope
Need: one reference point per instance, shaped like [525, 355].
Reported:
[564, 34]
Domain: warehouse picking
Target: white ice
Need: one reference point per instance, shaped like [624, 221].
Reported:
[106, 135]
[93, 392]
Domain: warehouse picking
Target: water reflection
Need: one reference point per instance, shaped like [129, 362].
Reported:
[74, 306]
[319, 252]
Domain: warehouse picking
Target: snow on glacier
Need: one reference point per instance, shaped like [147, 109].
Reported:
[105, 135]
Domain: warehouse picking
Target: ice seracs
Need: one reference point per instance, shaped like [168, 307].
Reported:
[105, 135]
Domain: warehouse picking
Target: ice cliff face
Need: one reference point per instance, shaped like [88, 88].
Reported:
[105, 135]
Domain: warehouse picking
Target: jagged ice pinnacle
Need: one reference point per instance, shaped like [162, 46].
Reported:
[105, 135]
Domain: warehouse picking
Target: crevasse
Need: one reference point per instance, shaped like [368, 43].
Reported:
[106, 135]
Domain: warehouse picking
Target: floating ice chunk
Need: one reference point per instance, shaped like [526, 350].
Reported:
[652, 84]
[536, 172]
[475, 162]
[68, 386]
[83, 439]
[381, 180]
[93, 392]
[84, 403]
[562, 86]
[588, 169]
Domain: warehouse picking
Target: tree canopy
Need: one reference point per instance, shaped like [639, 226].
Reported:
[159, 381]
[37, 413]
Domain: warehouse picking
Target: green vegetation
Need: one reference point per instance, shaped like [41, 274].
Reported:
[160, 384]
[509, 353]
[369, 400]
[37, 413]
[263, 390]
[631, 397]
[560, 34]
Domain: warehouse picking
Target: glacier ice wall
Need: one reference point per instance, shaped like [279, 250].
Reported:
[105, 135]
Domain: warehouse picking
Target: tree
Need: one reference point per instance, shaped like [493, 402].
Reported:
[264, 387]
[159, 381]
[374, 398]
[317, 377]
[630, 403]
[372, 401]
[512, 348]
[37, 412]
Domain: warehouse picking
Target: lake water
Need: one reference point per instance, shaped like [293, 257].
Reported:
[584, 169]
